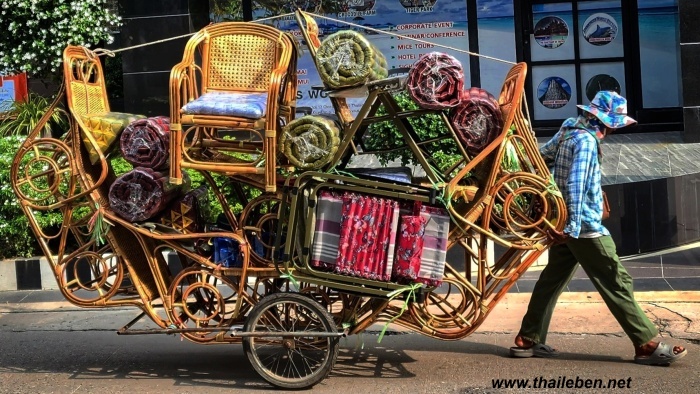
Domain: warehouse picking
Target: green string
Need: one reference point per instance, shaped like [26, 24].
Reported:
[361, 341]
[552, 187]
[343, 173]
[98, 226]
[411, 289]
[291, 279]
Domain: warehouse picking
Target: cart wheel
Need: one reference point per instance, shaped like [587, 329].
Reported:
[291, 363]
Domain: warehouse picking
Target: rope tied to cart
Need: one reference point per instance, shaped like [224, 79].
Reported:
[98, 225]
[410, 291]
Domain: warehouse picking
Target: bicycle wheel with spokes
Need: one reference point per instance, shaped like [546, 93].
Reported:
[291, 362]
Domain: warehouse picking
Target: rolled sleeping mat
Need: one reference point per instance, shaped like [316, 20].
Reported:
[310, 142]
[477, 120]
[146, 142]
[346, 58]
[436, 81]
[143, 193]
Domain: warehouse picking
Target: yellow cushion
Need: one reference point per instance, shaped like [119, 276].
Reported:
[105, 128]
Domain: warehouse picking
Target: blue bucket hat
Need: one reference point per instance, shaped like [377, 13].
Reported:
[610, 108]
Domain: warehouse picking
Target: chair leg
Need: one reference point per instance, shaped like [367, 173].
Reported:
[271, 160]
[175, 153]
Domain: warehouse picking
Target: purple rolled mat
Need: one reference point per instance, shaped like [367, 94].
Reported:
[146, 142]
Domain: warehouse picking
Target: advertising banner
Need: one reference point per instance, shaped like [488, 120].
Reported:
[12, 88]
[390, 25]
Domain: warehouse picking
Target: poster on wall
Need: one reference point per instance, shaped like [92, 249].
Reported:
[552, 32]
[12, 88]
[600, 29]
[496, 33]
[554, 91]
[659, 53]
[602, 76]
[402, 30]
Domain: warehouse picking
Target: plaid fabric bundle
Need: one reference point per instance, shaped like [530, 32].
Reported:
[437, 230]
[436, 81]
[146, 142]
[324, 249]
[365, 233]
[142, 193]
[477, 120]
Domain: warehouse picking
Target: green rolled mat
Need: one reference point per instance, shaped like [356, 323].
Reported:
[346, 58]
[310, 142]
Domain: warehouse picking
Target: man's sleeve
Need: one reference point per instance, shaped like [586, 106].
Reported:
[549, 149]
[584, 152]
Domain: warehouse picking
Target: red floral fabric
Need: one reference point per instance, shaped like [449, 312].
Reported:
[365, 236]
[410, 249]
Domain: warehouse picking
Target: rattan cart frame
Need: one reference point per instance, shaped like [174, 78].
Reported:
[287, 314]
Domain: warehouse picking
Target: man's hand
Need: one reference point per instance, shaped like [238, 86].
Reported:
[559, 237]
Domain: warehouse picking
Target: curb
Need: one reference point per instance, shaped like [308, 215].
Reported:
[27, 274]
[35, 273]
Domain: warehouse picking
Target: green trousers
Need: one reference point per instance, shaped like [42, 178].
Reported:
[598, 258]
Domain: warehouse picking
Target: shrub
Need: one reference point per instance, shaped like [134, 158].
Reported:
[35, 32]
[16, 238]
[385, 135]
[27, 115]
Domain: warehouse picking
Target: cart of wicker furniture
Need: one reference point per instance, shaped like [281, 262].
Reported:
[323, 249]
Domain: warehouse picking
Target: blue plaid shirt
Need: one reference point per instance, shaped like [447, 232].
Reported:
[576, 169]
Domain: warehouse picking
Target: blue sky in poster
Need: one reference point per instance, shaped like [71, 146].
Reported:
[494, 8]
[656, 3]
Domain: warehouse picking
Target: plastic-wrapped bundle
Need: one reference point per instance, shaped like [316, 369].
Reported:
[436, 81]
[146, 142]
[346, 58]
[477, 120]
[310, 141]
[142, 193]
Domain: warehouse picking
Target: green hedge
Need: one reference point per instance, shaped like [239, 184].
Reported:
[16, 238]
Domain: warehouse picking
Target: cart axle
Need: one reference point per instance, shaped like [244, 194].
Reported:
[235, 332]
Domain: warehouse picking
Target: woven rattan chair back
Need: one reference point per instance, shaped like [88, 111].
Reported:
[85, 84]
[240, 61]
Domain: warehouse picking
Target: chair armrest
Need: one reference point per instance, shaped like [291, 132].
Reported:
[274, 91]
[183, 87]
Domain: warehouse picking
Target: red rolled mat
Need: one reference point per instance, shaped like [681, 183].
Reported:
[436, 81]
[146, 142]
[142, 193]
[477, 120]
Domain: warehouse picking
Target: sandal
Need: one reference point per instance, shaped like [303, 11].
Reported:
[536, 350]
[663, 355]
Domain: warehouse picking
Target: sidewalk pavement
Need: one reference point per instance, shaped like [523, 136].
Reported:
[675, 269]
[675, 313]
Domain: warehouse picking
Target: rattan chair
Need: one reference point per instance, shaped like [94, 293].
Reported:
[229, 96]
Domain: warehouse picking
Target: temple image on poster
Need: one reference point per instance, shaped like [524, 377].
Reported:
[601, 82]
[554, 92]
[417, 3]
[551, 32]
[358, 5]
[600, 29]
